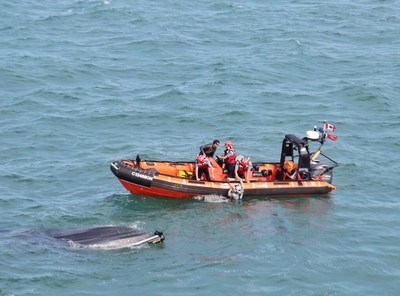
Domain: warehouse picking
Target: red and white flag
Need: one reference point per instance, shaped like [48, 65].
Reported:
[329, 127]
[331, 137]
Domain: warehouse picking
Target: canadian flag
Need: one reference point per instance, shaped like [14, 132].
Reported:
[331, 137]
[329, 127]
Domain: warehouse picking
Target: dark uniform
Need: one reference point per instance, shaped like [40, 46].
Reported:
[209, 149]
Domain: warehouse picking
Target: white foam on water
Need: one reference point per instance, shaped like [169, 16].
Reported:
[131, 242]
[212, 198]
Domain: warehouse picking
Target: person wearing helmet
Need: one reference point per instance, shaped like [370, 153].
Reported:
[243, 168]
[209, 149]
[229, 159]
[202, 164]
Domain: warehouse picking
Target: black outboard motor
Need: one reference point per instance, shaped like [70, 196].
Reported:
[318, 169]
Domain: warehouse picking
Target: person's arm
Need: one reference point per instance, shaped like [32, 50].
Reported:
[204, 148]
[196, 170]
[209, 163]
[248, 172]
[236, 172]
[210, 169]
[230, 153]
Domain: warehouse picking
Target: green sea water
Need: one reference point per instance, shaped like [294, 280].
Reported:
[83, 83]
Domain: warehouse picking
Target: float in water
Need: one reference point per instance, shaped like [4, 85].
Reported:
[299, 172]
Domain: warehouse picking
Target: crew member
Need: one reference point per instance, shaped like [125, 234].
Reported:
[209, 149]
[202, 165]
[243, 168]
[229, 159]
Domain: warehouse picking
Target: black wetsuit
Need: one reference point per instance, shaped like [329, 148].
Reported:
[208, 150]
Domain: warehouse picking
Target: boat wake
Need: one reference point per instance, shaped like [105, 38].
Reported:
[212, 198]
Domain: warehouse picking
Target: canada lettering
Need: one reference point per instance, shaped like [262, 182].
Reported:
[143, 176]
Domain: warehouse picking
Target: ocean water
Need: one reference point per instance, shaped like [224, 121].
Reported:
[83, 83]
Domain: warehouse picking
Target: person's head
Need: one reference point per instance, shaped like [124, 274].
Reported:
[201, 158]
[239, 158]
[228, 144]
[215, 143]
[244, 162]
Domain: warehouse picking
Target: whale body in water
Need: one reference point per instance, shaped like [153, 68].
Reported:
[108, 237]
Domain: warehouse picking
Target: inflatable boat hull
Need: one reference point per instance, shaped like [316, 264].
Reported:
[150, 182]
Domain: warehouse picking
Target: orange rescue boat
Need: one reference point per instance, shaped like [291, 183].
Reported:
[299, 172]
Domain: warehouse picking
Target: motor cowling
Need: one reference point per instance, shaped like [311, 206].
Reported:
[321, 171]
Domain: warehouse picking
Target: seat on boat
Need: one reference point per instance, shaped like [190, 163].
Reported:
[257, 174]
[264, 171]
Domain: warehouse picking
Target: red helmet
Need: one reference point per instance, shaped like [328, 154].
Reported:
[201, 158]
[228, 144]
[244, 162]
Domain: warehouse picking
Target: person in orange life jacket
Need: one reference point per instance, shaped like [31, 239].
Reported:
[209, 149]
[229, 159]
[243, 167]
[201, 168]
